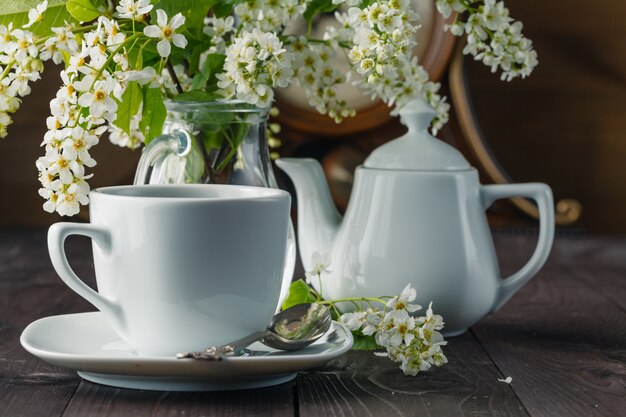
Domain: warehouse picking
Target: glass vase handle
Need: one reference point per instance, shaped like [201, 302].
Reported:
[164, 159]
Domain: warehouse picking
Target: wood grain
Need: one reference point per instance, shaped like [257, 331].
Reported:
[29, 289]
[561, 340]
[362, 384]
[100, 401]
[610, 282]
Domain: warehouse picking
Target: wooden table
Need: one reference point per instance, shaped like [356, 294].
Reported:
[562, 339]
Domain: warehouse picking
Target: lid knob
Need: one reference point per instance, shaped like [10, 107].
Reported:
[417, 115]
[417, 150]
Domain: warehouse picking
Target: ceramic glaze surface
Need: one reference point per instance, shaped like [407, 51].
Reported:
[426, 228]
[87, 343]
[438, 245]
[180, 268]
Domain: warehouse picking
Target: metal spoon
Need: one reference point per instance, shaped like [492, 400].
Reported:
[291, 329]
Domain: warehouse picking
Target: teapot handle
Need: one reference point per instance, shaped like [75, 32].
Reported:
[150, 165]
[542, 194]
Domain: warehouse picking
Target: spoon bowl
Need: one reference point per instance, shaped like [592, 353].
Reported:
[298, 326]
[291, 329]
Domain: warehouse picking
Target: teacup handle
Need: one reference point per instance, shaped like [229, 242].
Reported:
[57, 234]
[542, 194]
[153, 156]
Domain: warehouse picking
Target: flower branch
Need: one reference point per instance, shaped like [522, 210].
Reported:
[128, 58]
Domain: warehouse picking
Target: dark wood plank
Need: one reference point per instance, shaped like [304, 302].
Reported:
[29, 289]
[362, 384]
[562, 341]
[590, 251]
[100, 401]
[609, 281]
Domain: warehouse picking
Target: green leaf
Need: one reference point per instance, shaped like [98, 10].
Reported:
[135, 58]
[362, 342]
[153, 115]
[208, 74]
[299, 293]
[225, 7]
[212, 66]
[17, 13]
[129, 106]
[83, 10]
[316, 7]
[8, 7]
[365, 3]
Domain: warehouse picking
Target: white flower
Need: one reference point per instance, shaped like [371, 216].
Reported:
[268, 16]
[129, 9]
[372, 323]
[494, 15]
[148, 75]
[71, 197]
[319, 263]
[320, 78]
[36, 15]
[166, 31]
[493, 37]
[25, 46]
[5, 120]
[403, 300]
[433, 321]
[414, 342]
[218, 27]
[77, 145]
[100, 100]
[136, 138]
[65, 168]
[446, 7]
[396, 329]
[114, 36]
[354, 321]
[255, 63]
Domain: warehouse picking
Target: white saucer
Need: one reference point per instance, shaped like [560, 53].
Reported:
[87, 343]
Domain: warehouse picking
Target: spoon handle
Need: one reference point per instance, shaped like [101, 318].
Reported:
[216, 353]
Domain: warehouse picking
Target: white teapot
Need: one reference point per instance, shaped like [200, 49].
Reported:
[416, 215]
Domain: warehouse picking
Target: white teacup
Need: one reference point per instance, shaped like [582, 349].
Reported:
[181, 267]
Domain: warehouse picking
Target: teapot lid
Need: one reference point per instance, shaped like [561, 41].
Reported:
[417, 150]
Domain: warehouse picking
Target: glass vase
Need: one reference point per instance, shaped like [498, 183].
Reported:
[214, 143]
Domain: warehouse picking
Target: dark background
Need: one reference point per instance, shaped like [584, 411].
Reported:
[564, 125]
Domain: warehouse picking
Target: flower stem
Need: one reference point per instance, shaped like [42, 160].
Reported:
[354, 300]
[319, 278]
[170, 69]
[107, 62]
[7, 69]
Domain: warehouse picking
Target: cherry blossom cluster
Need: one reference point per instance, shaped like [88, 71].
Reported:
[83, 105]
[260, 52]
[219, 29]
[86, 105]
[413, 341]
[316, 72]
[493, 37]
[255, 64]
[21, 62]
[383, 42]
[119, 137]
[269, 16]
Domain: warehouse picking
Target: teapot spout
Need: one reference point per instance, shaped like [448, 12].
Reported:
[318, 218]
